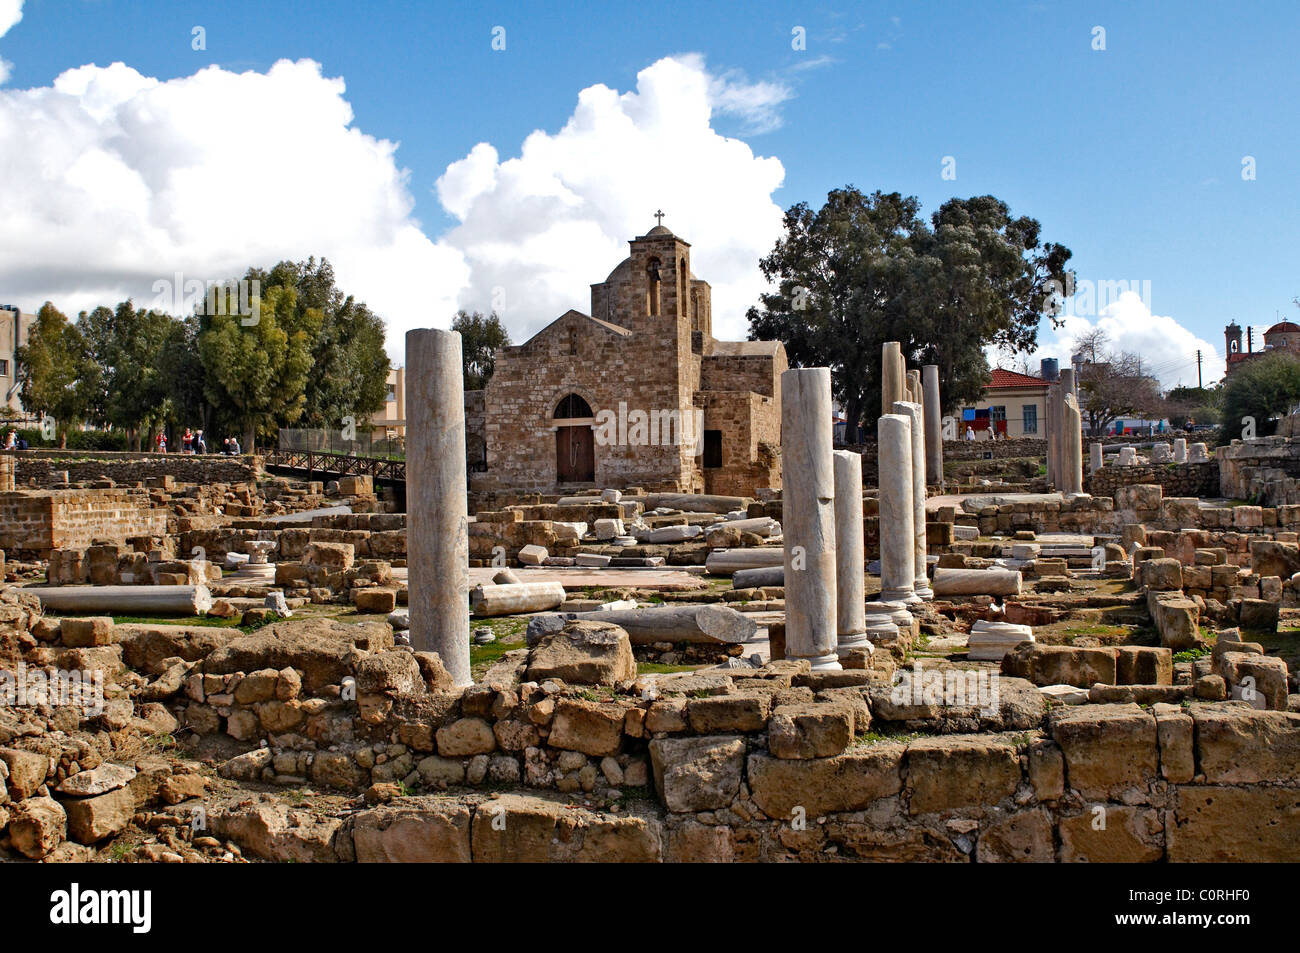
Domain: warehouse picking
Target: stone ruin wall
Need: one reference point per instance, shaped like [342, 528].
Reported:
[36, 523]
[1264, 470]
[770, 764]
[1177, 479]
[130, 468]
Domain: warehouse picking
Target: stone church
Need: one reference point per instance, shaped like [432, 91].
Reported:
[637, 393]
[1283, 336]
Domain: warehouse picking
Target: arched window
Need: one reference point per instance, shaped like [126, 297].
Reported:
[652, 287]
[573, 407]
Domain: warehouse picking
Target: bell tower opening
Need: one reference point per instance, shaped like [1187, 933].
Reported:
[653, 287]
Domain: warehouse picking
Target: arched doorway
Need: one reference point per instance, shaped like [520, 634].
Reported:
[575, 442]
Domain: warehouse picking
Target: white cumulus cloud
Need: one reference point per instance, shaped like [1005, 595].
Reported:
[125, 179]
[538, 228]
[1168, 350]
[11, 11]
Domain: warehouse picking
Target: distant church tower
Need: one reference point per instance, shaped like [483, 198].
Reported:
[1232, 350]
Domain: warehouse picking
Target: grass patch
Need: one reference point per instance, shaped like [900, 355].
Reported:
[658, 668]
[211, 622]
[482, 657]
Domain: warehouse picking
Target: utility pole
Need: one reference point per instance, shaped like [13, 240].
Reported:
[1199, 384]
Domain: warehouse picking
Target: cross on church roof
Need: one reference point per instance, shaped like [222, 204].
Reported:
[659, 216]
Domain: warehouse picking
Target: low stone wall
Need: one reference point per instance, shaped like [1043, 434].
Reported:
[37, 523]
[128, 468]
[766, 765]
[1264, 469]
[1176, 479]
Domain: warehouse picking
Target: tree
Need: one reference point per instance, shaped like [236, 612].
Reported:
[53, 368]
[1261, 388]
[256, 374]
[866, 269]
[1187, 405]
[480, 338]
[139, 397]
[349, 375]
[1111, 384]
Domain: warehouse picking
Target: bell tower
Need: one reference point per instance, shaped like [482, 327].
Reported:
[1232, 344]
[661, 275]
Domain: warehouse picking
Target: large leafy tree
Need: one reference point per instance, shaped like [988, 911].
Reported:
[349, 370]
[256, 374]
[866, 269]
[53, 368]
[480, 338]
[1263, 388]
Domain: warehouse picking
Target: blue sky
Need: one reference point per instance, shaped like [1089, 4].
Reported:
[1131, 156]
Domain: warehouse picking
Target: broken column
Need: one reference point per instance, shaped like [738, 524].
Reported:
[892, 376]
[1053, 433]
[850, 558]
[914, 387]
[437, 528]
[1180, 450]
[808, 516]
[897, 516]
[1095, 458]
[916, 414]
[1072, 445]
[1063, 429]
[933, 426]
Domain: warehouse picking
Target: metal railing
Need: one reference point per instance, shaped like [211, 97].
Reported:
[364, 443]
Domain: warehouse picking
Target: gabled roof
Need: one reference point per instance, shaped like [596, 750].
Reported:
[1003, 378]
[570, 314]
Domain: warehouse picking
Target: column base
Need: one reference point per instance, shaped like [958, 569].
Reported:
[925, 592]
[850, 641]
[906, 596]
[820, 663]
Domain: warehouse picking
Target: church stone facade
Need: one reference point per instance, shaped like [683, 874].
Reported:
[637, 393]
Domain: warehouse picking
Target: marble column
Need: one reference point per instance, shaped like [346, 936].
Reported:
[1062, 443]
[1180, 450]
[1072, 445]
[916, 413]
[892, 376]
[808, 516]
[933, 426]
[897, 516]
[1096, 459]
[437, 523]
[914, 388]
[1053, 433]
[850, 555]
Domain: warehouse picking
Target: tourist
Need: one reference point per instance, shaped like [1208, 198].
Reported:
[162, 442]
[11, 441]
[970, 432]
[199, 445]
[234, 447]
[187, 441]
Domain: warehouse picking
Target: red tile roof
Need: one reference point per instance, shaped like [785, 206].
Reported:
[1004, 378]
[1283, 327]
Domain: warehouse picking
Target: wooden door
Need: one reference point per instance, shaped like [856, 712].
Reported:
[575, 455]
